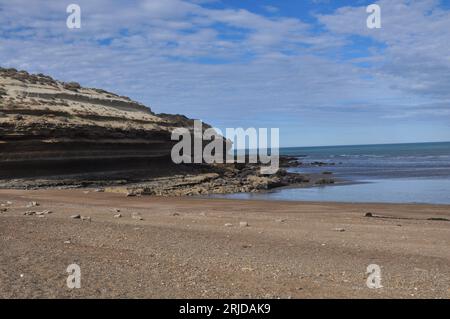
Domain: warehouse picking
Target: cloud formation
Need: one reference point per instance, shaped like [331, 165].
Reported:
[236, 67]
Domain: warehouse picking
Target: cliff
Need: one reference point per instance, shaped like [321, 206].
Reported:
[50, 127]
[56, 134]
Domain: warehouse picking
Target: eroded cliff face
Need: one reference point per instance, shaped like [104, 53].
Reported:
[49, 127]
[56, 134]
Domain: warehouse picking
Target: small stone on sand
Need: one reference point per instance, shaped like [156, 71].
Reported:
[32, 204]
[136, 216]
[44, 212]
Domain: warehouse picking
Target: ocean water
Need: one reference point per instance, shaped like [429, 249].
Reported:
[395, 173]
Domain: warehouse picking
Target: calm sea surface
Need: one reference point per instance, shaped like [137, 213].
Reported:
[396, 173]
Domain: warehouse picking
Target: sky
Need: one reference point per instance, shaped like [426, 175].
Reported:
[311, 68]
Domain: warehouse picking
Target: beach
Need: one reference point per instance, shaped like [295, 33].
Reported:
[163, 247]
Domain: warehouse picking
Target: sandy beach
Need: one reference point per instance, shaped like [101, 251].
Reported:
[216, 248]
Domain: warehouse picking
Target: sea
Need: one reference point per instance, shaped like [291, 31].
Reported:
[387, 173]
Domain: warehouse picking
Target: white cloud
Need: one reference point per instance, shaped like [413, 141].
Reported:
[416, 37]
[160, 52]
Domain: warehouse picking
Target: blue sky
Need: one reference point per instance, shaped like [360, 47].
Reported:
[311, 68]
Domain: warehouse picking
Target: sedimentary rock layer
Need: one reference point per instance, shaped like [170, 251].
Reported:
[48, 126]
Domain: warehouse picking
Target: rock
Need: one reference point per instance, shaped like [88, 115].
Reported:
[325, 181]
[72, 86]
[2, 210]
[175, 214]
[243, 224]
[32, 204]
[280, 220]
[118, 216]
[67, 242]
[136, 216]
[258, 182]
[439, 219]
[5, 204]
[368, 215]
[228, 225]
[44, 212]
[75, 216]
[117, 210]
[30, 213]
[131, 194]
[339, 230]
[86, 218]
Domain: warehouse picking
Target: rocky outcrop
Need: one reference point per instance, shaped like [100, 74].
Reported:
[49, 127]
[225, 180]
[56, 134]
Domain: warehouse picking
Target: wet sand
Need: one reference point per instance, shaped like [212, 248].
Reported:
[196, 248]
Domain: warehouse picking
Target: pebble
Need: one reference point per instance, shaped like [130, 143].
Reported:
[29, 213]
[340, 229]
[2, 210]
[44, 212]
[280, 220]
[368, 215]
[67, 242]
[118, 216]
[243, 224]
[228, 225]
[75, 216]
[136, 216]
[87, 218]
[33, 204]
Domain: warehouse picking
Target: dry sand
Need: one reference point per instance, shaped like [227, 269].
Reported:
[181, 248]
